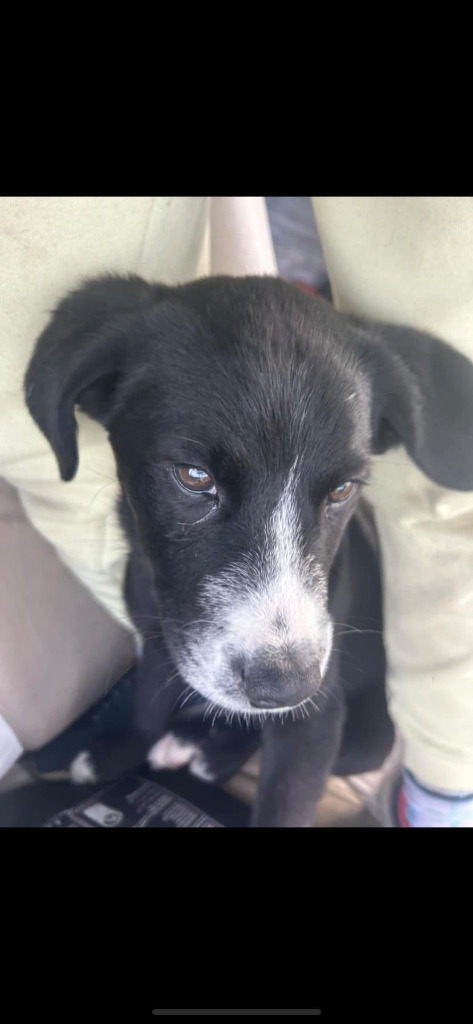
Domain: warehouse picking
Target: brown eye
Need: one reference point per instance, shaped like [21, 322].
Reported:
[341, 493]
[195, 479]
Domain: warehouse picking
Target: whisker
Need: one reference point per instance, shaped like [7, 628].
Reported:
[170, 679]
[349, 632]
[191, 440]
[186, 698]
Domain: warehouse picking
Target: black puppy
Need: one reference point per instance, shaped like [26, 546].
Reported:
[243, 414]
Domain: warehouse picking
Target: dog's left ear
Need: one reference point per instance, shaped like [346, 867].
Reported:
[85, 357]
[423, 399]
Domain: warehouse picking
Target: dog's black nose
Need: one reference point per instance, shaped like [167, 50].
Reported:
[279, 683]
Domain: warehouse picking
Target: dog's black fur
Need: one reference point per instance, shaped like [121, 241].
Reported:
[280, 399]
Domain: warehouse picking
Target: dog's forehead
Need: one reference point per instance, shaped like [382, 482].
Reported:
[259, 369]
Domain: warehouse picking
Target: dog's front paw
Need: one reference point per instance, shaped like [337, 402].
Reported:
[172, 752]
[82, 770]
[109, 759]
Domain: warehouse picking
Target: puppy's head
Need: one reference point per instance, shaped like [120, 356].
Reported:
[243, 414]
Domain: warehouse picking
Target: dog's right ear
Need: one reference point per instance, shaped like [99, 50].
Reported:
[81, 358]
[422, 398]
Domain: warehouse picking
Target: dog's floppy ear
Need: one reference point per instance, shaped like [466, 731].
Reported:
[81, 357]
[423, 399]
